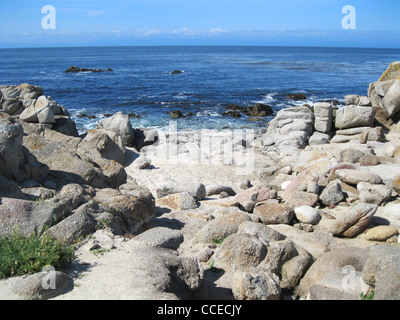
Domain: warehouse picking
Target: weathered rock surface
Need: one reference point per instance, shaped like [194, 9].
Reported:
[274, 213]
[240, 252]
[11, 151]
[382, 271]
[255, 285]
[354, 116]
[354, 177]
[332, 262]
[221, 227]
[28, 103]
[350, 222]
[120, 124]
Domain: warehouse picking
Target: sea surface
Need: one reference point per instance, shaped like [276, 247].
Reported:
[214, 77]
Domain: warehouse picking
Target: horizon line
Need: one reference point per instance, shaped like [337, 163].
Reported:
[198, 45]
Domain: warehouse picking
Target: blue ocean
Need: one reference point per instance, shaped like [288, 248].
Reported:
[213, 77]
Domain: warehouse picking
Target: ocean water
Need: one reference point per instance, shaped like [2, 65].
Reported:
[213, 77]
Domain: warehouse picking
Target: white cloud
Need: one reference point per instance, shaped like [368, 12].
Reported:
[185, 31]
[217, 31]
[151, 32]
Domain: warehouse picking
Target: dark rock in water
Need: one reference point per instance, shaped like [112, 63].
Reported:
[177, 72]
[296, 96]
[235, 107]
[260, 110]
[74, 69]
[189, 114]
[176, 114]
[109, 69]
[133, 115]
[107, 115]
[233, 114]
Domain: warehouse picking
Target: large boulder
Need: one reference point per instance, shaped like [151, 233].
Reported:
[221, 227]
[107, 143]
[197, 190]
[121, 125]
[373, 193]
[323, 117]
[128, 214]
[38, 286]
[255, 285]
[161, 237]
[354, 116]
[240, 251]
[64, 164]
[274, 213]
[11, 152]
[354, 177]
[76, 226]
[73, 160]
[35, 216]
[382, 271]
[133, 270]
[385, 92]
[335, 261]
[349, 222]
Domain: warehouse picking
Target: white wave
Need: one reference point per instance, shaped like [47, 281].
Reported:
[267, 99]
[208, 113]
[180, 96]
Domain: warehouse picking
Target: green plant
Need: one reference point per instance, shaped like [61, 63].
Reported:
[217, 241]
[21, 255]
[368, 296]
[99, 251]
[103, 224]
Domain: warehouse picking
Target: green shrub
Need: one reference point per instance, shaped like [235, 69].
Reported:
[370, 295]
[217, 241]
[20, 255]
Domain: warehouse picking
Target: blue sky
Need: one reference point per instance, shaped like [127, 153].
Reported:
[200, 22]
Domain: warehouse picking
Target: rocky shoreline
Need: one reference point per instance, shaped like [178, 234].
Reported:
[306, 208]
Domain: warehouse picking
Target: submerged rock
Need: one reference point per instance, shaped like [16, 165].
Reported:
[74, 69]
[296, 96]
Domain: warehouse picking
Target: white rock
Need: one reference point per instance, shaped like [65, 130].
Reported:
[390, 150]
[285, 184]
[392, 210]
[307, 214]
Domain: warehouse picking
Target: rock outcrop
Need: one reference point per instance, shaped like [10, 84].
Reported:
[28, 103]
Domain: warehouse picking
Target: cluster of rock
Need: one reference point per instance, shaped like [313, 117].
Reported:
[52, 179]
[28, 103]
[361, 119]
